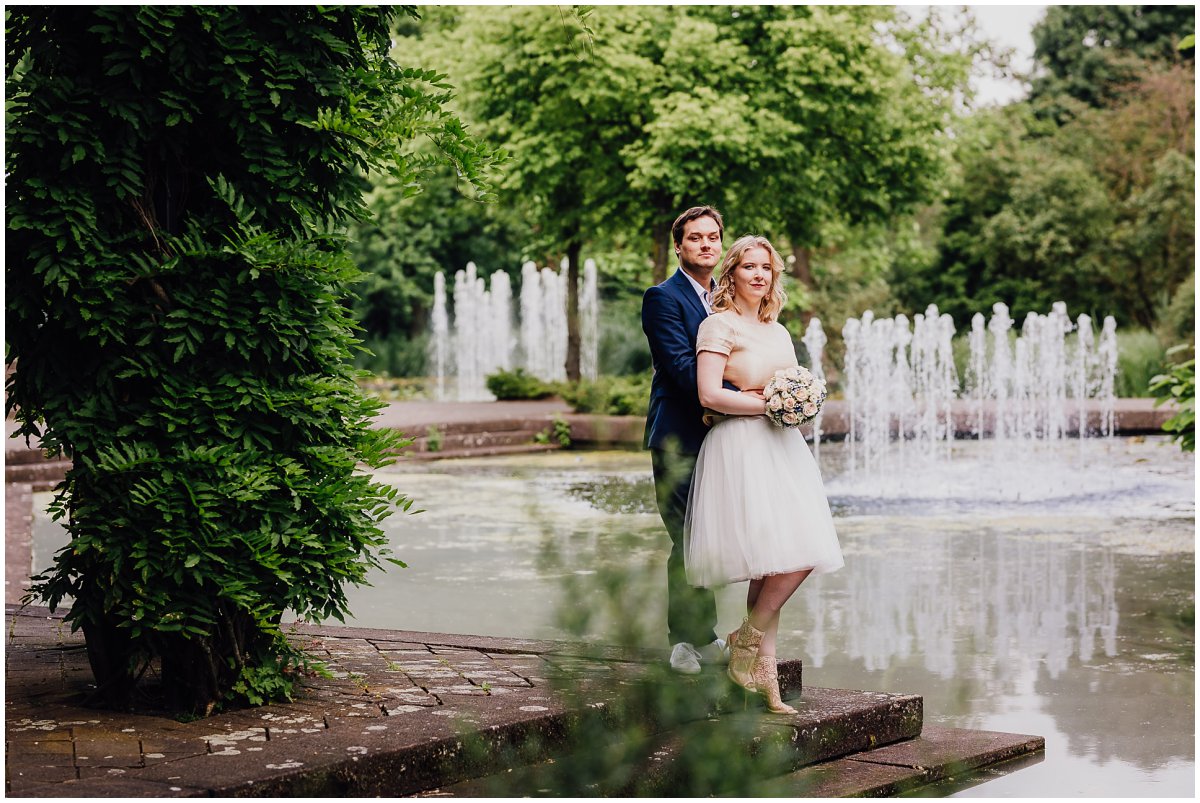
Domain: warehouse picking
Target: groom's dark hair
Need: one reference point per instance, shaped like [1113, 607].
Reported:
[692, 214]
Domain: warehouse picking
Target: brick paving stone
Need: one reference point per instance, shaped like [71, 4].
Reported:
[24, 777]
[415, 718]
[108, 751]
[124, 786]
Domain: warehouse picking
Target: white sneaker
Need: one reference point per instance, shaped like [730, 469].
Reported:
[714, 653]
[685, 659]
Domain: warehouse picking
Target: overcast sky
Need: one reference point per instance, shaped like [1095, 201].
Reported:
[1006, 25]
[1010, 26]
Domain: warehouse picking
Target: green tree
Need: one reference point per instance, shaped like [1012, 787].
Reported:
[1097, 212]
[1142, 148]
[180, 180]
[408, 239]
[1043, 245]
[856, 103]
[1090, 53]
[791, 119]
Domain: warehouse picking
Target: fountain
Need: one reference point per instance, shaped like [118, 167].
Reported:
[903, 389]
[482, 339]
[439, 344]
[814, 340]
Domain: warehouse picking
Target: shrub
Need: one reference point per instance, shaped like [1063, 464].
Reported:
[623, 346]
[1179, 319]
[1140, 356]
[179, 184]
[610, 395]
[514, 385]
[1179, 385]
[433, 439]
[559, 430]
[395, 355]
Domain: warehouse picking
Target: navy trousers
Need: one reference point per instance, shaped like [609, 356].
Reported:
[691, 612]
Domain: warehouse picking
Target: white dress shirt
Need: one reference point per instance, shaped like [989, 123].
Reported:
[702, 292]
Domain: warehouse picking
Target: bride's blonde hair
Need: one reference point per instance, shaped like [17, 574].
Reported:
[772, 303]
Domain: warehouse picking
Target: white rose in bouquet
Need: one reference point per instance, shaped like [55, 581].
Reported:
[794, 396]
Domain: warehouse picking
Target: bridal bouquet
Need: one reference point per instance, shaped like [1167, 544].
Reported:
[794, 397]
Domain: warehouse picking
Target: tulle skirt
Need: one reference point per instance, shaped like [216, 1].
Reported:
[756, 506]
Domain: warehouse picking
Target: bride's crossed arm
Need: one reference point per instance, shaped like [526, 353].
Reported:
[710, 372]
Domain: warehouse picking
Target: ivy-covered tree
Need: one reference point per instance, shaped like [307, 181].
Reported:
[179, 183]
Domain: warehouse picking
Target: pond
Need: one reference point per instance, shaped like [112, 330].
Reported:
[1048, 592]
[1044, 591]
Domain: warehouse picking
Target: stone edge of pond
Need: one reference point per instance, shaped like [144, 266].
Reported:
[405, 712]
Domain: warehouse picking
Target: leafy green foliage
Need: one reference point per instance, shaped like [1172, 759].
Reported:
[559, 430]
[1088, 53]
[180, 181]
[1098, 212]
[433, 439]
[1179, 320]
[517, 384]
[1140, 356]
[409, 238]
[562, 431]
[614, 119]
[609, 395]
[793, 117]
[1179, 386]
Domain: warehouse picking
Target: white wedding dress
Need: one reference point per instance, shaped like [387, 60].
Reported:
[757, 505]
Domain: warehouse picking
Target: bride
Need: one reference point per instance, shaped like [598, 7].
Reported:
[757, 509]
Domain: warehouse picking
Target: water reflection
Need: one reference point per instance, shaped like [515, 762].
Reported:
[947, 590]
[1066, 612]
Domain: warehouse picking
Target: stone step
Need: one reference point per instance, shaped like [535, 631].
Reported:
[474, 440]
[481, 451]
[407, 713]
[17, 453]
[952, 758]
[718, 755]
[41, 475]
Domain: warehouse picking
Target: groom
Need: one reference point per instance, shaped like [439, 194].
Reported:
[671, 314]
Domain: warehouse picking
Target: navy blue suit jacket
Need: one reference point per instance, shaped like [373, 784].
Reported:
[671, 314]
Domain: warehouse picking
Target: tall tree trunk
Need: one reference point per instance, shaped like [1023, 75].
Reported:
[574, 247]
[661, 232]
[802, 271]
[111, 654]
[197, 671]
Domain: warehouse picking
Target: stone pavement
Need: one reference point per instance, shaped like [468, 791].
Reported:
[422, 713]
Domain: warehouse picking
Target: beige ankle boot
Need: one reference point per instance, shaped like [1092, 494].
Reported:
[766, 678]
[742, 653]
